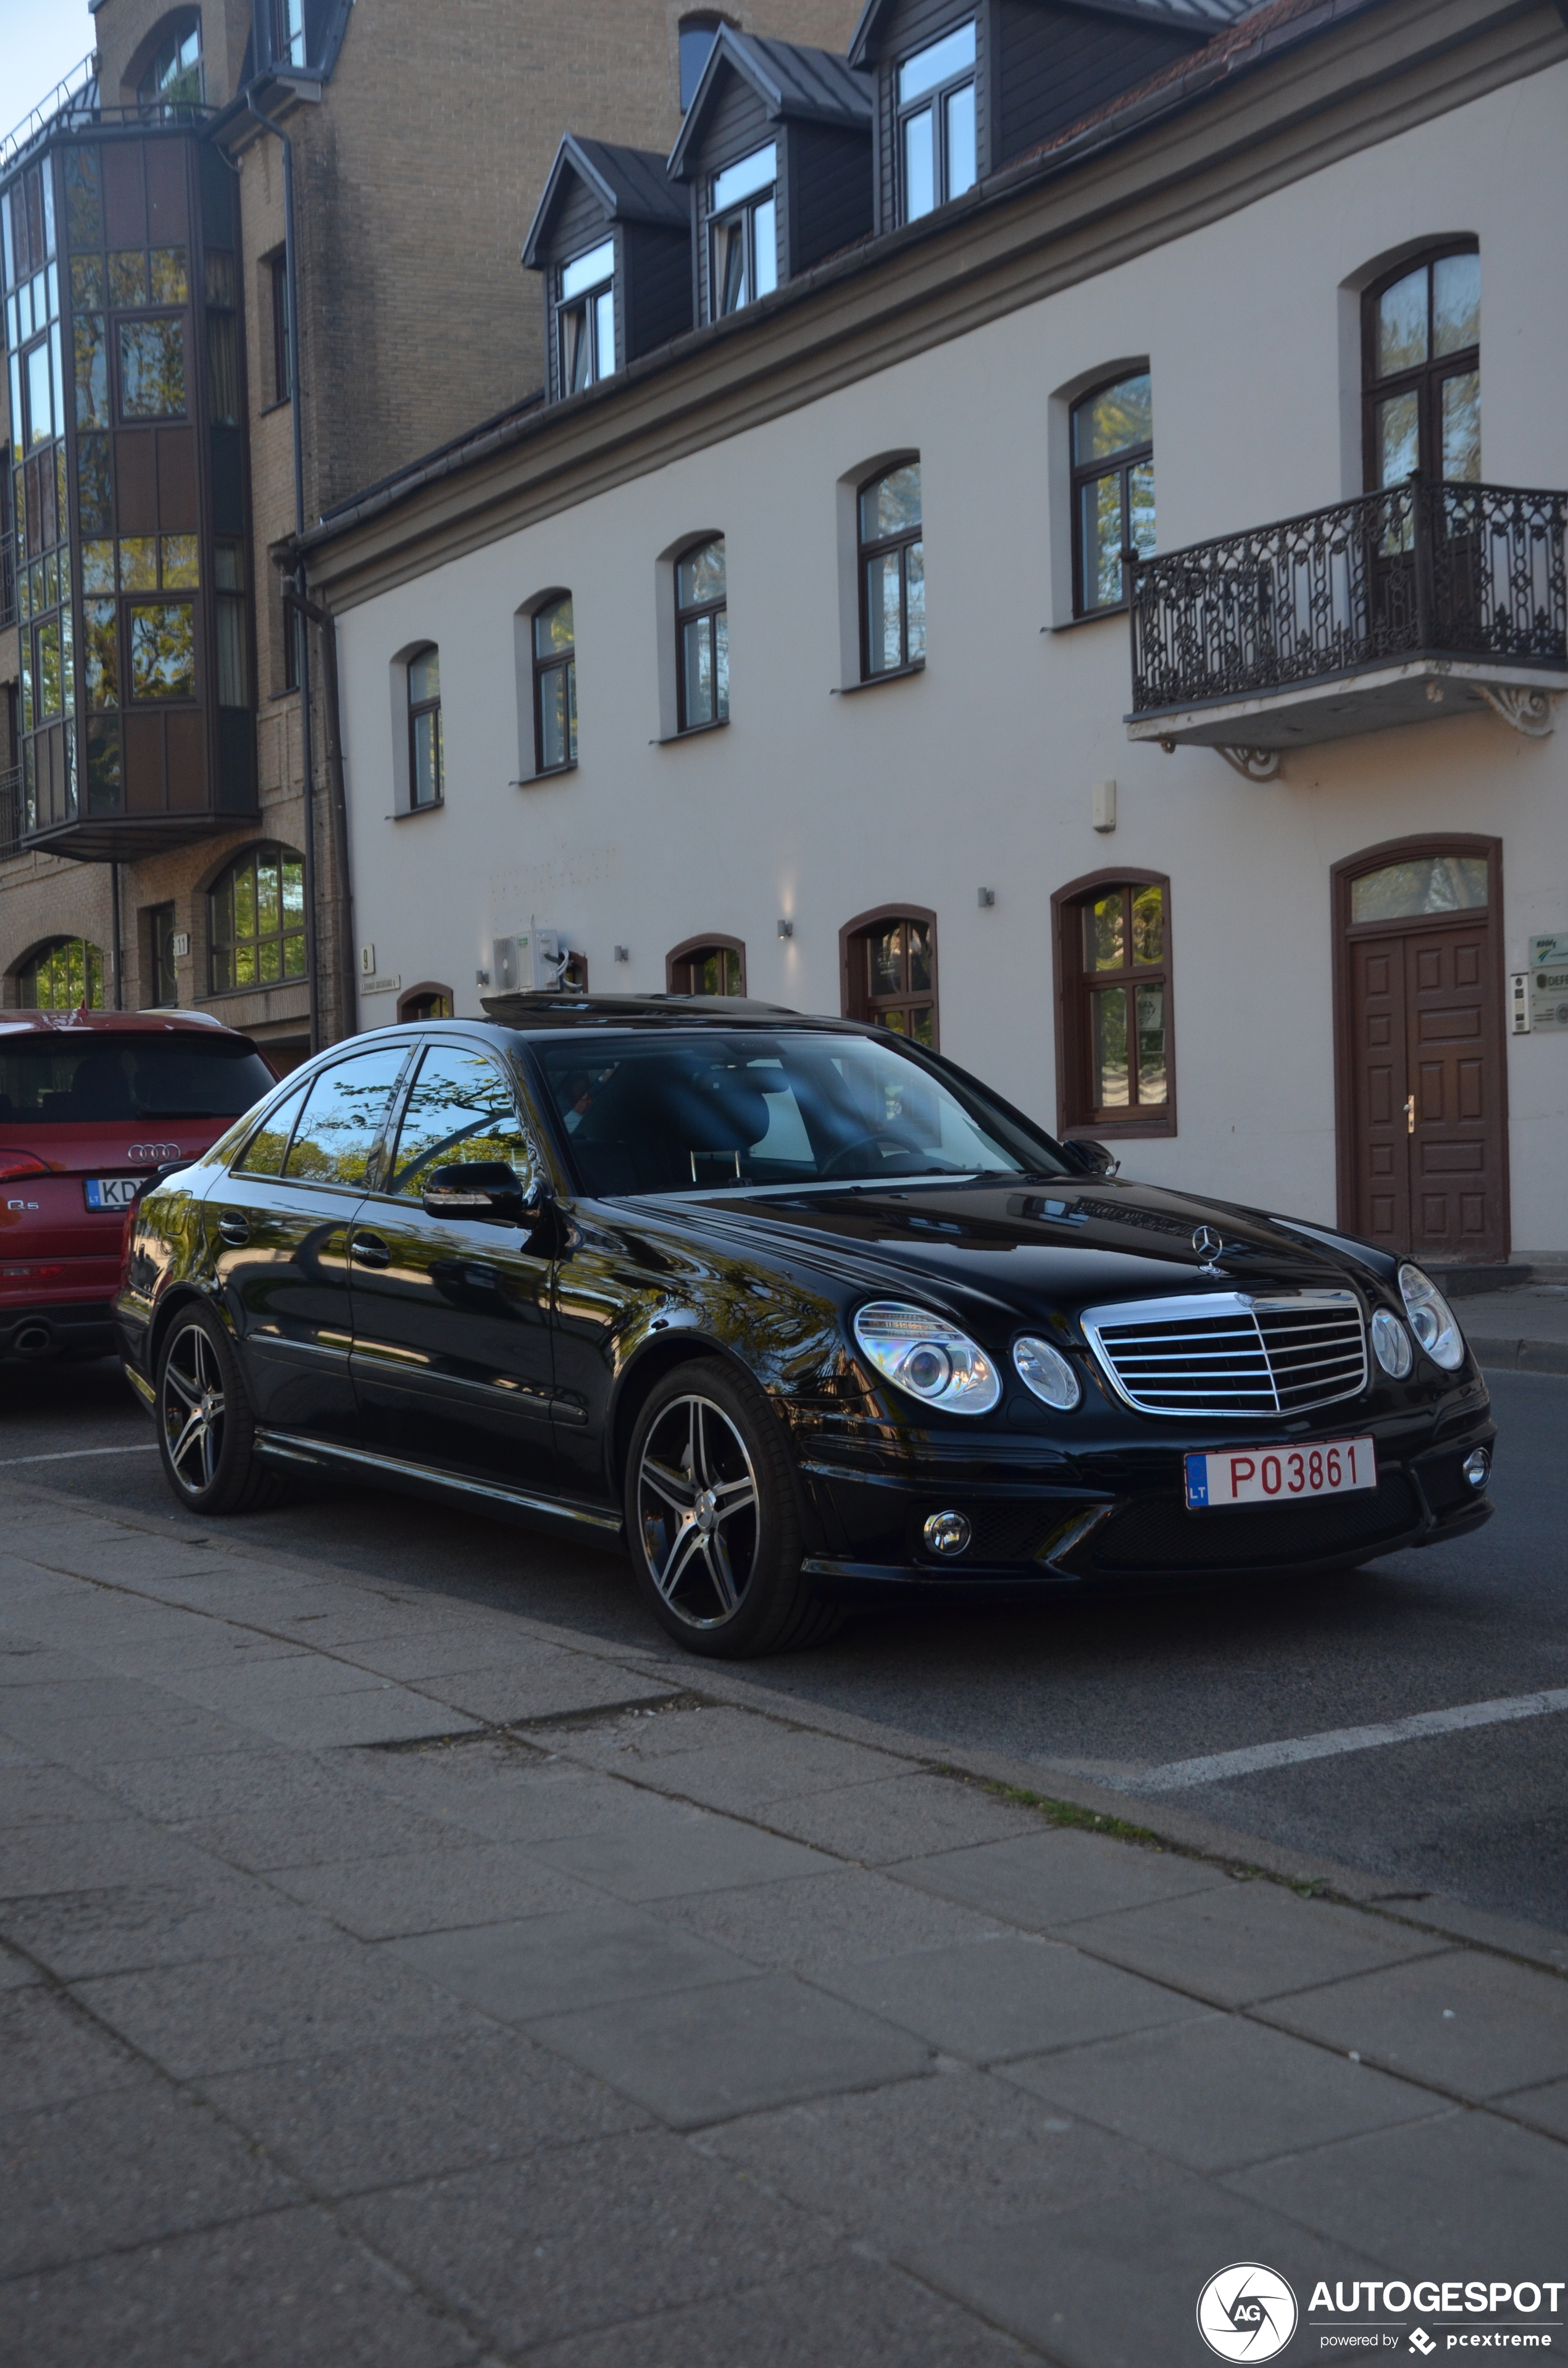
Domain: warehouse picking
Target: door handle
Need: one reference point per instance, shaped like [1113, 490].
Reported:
[368, 1249]
[233, 1228]
[1410, 1113]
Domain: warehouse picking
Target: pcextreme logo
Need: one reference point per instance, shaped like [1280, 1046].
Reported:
[1247, 2312]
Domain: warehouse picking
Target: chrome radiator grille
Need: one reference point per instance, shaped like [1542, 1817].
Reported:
[1228, 1353]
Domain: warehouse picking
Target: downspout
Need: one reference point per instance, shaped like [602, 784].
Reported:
[337, 808]
[114, 924]
[303, 642]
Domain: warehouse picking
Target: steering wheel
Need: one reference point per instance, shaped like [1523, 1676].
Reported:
[862, 1143]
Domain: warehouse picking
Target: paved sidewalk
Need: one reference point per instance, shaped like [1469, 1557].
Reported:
[1524, 1329]
[391, 1979]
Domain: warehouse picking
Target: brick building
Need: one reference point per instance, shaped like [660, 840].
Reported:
[167, 430]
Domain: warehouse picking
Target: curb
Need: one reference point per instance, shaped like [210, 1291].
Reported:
[1521, 1356]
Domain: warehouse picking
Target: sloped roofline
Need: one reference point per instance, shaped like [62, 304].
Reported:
[1201, 19]
[578, 156]
[747, 55]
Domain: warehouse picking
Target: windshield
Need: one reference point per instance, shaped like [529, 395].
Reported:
[116, 1080]
[652, 1115]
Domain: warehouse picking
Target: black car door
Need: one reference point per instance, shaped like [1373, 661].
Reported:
[279, 1226]
[452, 1359]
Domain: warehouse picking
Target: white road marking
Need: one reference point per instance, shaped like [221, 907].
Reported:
[1177, 1774]
[69, 1454]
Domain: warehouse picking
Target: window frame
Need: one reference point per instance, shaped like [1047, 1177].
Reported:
[1075, 1112]
[879, 547]
[855, 998]
[1081, 473]
[556, 662]
[586, 300]
[279, 850]
[743, 211]
[418, 708]
[708, 613]
[410, 1003]
[935, 101]
[156, 105]
[691, 950]
[1423, 378]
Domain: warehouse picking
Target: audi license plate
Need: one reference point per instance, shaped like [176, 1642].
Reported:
[111, 1192]
[1279, 1475]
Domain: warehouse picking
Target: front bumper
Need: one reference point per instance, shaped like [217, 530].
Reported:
[1120, 1515]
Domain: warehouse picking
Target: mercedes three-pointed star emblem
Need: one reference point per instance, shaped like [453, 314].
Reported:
[1208, 1244]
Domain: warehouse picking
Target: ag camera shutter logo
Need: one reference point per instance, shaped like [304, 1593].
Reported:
[1247, 2312]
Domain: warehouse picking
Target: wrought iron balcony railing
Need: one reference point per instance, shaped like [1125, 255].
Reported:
[1447, 572]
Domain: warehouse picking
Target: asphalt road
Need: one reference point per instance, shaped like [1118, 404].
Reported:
[1109, 1689]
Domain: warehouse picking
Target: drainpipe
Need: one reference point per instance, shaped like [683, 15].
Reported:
[337, 809]
[303, 642]
[114, 924]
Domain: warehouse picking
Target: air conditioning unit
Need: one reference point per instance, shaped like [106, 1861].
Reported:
[531, 963]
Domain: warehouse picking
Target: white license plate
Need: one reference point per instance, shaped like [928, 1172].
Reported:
[111, 1192]
[1280, 1476]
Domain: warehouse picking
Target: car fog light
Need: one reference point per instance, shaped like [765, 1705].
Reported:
[947, 1533]
[1045, 1371]
[1390, 1345]
[1477, 1467]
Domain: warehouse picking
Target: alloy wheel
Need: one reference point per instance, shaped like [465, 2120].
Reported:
[192, 1410]
[698, 1512]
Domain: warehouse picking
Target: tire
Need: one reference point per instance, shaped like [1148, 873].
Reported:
[206, 1429]
[712, 1523]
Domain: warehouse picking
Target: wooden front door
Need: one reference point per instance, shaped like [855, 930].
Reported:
[1425, 1166]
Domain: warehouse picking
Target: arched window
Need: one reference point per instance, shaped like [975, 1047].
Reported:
[893, 573]
[427, 1001]
[1113, 489]
[1421, 370]
[702, 637]
[708, 966]
[1114, 1065]
[555, 685]
[62, 977]
[427, 766]
[256, 920]
[171, 82]
[888, 971]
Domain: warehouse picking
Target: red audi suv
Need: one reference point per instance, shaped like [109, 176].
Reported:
[91, 1104]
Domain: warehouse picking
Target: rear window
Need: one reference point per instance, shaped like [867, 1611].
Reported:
[113, 1080]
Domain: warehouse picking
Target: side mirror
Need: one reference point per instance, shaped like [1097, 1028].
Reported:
[1090, 1158]
[484, 1188]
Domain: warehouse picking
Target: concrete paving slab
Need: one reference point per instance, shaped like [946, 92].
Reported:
[706, 2056]
[122, 1925]
[630, 1743]
[768, 1764]
[514, 1694]
[128, 2167]
[1545, 2107]
[51, 2052]
[619, 2229]
[288, 2287]
[41, 1791]
[1249, 1941]
[161, 1729]
[850, 1917]
[1475, 2193]
[1041, 1880]
[265, 1777]
[1474, 2025]
[54, 1856]
[904, 1816]
[988, 1999]
[927, 2159]
[26, 1662]
[323, 1830]
[1220, 2092]
[373, 2117]
[697, 1852]
[506, 1792]
[848, 2310]
[266, 2009]
[1093, 2295]
[16, 1973]
[429, 1891]
[377, 1713]
[548, 1964]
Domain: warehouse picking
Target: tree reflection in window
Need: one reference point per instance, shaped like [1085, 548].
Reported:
[461, 1110]
[256, 920]
[344, 1114]
[162, 651]
[152, 370]
[62, 977]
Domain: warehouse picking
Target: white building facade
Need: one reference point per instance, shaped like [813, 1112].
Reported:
[1324, 868]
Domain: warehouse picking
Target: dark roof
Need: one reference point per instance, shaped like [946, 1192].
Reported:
[811, 85]
[1199, 18]
[632, 185]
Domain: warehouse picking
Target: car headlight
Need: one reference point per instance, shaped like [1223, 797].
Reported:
[928, 1357]
[1045, 1372]
[1431, 1318]
[1390, 1345]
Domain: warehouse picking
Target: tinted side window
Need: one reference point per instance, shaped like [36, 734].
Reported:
[345, 1113]
[462, 1108]
[263, 1154]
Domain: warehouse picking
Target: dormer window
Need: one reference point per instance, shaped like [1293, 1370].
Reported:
[744, 228]
[288, 32]
[585, 318]
[935, 123]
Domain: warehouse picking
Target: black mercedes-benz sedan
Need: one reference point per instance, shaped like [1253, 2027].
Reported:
[794, 1308]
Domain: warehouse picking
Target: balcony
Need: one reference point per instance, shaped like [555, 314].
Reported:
[1420, 601]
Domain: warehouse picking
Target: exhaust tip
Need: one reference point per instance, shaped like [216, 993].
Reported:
[32, 1340]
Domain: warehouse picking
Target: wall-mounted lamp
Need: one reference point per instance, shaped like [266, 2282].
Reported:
[623, 953]
[786, 928]
[987, 898]
[482, 978]
[1102, 805]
